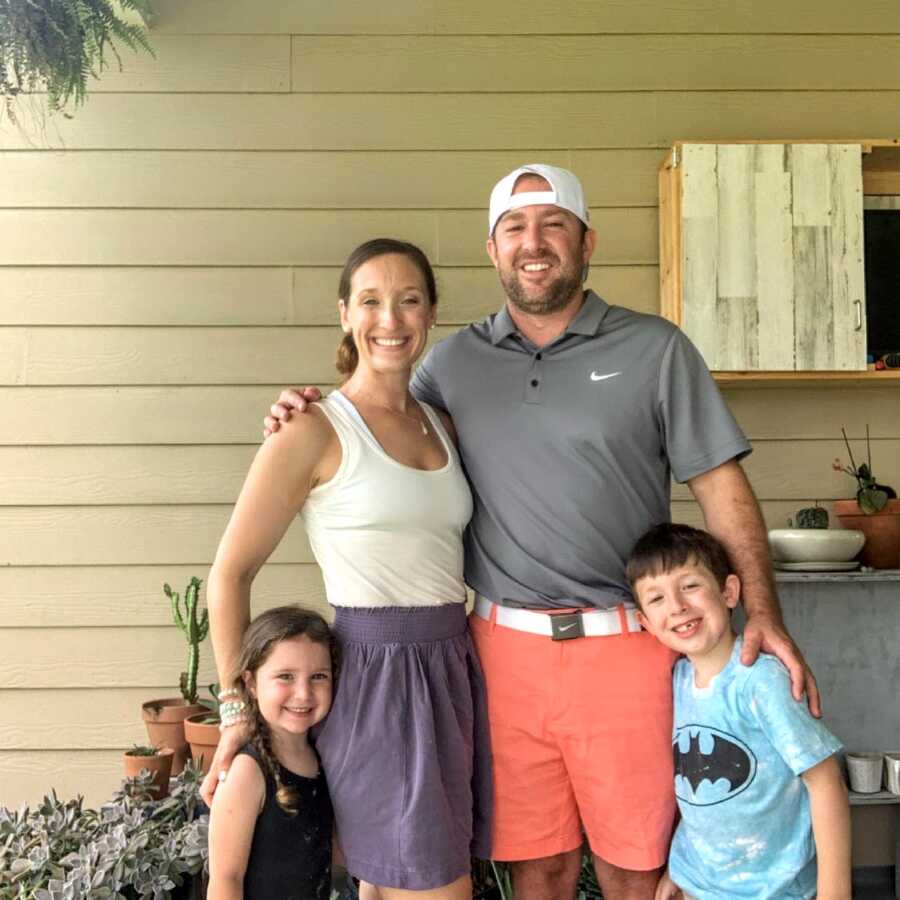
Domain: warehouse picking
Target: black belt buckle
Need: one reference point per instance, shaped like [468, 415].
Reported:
[566, 626]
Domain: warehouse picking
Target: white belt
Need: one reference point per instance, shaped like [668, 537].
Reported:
[559, 626]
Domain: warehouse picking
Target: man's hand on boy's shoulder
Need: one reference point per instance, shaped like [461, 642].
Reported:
[768, 634]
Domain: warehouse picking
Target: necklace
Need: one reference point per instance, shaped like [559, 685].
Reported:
[418, 418]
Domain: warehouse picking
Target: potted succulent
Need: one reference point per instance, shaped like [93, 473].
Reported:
[202, 731]
[165, 718]
[156, 760]
[812, 517]
[875, 511]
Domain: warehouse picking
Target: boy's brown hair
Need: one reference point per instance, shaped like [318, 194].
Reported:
[670, 545]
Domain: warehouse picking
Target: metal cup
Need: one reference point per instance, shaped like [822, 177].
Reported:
[892, 772]
[865, 771]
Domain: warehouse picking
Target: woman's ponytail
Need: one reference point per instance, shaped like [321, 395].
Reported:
[347, 357]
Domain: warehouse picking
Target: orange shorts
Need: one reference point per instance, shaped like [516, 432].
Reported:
[581, 736]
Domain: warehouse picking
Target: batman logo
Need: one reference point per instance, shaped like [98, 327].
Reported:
[711, 766]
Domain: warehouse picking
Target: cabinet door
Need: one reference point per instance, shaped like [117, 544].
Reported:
[772, 255]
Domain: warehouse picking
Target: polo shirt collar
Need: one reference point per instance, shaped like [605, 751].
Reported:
[586, 322]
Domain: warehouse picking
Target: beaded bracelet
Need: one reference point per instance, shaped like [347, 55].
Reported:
[228, 711]
[228, 692]
[235, 720]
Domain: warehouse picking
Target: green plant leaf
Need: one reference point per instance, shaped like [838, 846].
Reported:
[871, 501]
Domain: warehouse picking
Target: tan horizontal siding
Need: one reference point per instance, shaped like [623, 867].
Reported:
[171, 355]
[793, 469]
[27, 777]
[817, 412]
[496, 121]
[114, 657]
[131, 596]
[311, 179]
[511, 17]
[82, 476]
[287, 16]
[201, 237]
[125, 535]
[182, 64]
[276, 237]
[646, 62]
[77, 718]
[577, 17]
[135, 415]
[141, 295]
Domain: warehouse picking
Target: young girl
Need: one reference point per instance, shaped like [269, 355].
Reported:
[271, 823]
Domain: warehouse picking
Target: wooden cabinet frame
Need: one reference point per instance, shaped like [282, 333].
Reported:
[881, 176]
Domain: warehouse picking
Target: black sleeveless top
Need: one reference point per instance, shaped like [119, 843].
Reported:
[290, 857]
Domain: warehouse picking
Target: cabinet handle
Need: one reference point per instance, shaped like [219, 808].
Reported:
[858, 305]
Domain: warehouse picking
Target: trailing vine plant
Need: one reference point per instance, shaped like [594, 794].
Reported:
[56, 45]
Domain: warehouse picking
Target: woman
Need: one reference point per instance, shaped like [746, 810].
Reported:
[377, 481]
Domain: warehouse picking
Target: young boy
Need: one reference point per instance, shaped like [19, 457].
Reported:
[758, 784]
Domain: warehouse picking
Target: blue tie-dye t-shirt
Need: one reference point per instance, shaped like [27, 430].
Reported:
[740, 745]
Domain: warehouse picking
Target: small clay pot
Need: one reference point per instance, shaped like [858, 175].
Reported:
[203, 738]
[159, 765]
[882, 531]
[165, 726]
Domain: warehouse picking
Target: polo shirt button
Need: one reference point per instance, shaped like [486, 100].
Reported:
[534, 382]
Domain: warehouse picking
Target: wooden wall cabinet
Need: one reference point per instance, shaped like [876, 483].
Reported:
[761, 253]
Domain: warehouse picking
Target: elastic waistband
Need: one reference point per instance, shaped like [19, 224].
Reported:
[399, 624]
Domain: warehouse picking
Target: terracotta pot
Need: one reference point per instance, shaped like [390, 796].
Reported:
[882, 531]
[165, 726]
[203, 738]
[160, 766]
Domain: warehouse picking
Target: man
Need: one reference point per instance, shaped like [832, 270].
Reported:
[571, 416]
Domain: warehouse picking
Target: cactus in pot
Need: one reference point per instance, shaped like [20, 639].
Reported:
[164, 718]
[194, 629]
[812, 517]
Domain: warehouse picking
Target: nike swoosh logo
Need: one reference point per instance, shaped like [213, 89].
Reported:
[596, 377]
[566, 627]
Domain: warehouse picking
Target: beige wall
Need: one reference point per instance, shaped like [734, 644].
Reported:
[168, 259]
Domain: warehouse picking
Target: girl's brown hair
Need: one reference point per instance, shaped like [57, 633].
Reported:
[347, 355]
[278, 624]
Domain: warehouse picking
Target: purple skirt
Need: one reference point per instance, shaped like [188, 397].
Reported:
[406, 747]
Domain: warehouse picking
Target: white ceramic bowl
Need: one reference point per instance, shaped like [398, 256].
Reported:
[800, 545]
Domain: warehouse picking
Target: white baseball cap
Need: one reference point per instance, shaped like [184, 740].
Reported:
[565, 192]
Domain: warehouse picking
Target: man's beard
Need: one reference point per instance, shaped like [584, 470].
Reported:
[554, 297]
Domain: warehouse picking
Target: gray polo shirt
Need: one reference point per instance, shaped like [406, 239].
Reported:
[570, 448]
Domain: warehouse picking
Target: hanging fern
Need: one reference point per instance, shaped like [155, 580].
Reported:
[56, 45]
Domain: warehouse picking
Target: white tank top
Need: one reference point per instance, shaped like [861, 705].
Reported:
[386, 534]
